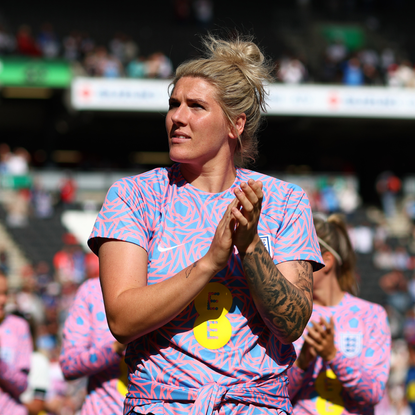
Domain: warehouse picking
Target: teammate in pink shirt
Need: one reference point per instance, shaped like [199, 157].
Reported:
[343, 356]
[206, 268]
[89, 349]
[15, 350]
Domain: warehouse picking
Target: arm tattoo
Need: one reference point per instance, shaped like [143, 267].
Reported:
[189, 269]
[285, 307]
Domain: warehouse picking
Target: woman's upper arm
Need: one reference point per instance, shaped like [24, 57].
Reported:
[299, 273]
[123, 266]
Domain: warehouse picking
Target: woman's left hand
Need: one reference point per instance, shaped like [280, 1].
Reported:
[247, 215]
[321, 337]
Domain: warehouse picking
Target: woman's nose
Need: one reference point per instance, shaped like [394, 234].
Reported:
[179, 115]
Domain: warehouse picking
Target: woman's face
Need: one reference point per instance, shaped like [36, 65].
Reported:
[197, 128]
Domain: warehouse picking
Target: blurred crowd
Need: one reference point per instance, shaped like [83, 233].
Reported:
[121, 56]
[340, 66]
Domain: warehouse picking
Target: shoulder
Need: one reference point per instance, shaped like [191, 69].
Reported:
[268, 180]
[91, 285]
[283, 201]
[89, 292]
[365, 308]
[15, 323]
[150, 180]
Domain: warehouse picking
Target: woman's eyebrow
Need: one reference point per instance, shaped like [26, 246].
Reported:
[191, 100]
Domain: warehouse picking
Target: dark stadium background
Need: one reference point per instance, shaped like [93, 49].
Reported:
[363, 146]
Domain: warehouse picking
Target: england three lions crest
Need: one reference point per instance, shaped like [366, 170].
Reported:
[267, 243]
[351, 343]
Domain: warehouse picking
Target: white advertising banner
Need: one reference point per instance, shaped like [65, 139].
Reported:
[342, 101]
[120, 94]
[299, 100]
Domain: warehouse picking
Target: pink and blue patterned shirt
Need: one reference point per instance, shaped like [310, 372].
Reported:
[354, 381]
[217, 351]
[16, 347]
[87, 351]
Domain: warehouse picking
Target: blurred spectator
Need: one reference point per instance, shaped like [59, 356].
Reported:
[137, 68]
[383, 257]
[401, 258]
[159, 66]
[43, 278]
[7, 42]
[371, 75]
[203, 10]
[26, 44]
[89, 349]
[69, 262]
[395, 285]
[352, 72]
[123, 48]
[15, 350]
[86, 45]
[117, 47]
[34, 397]
[409, 327]
[411, 289]
[28, 301]
[131, 49]
[42, 201]
[401, 75]
[388, 185]
[67, 190]
[361, 237]
[292, 71]
[369, 57]
[100, 63]
[4, 262]
[336, 51]
[17, 162]
[409, 207]
[48, 41]
[64, 397]
[387, 58]
[71, 46]
[5, 154]
[18, 209]
[329, 202]
[349, 199]
[330, 71]
[91, 265]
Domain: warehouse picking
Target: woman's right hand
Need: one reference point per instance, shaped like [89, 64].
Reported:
[222, 243]
[306, 356]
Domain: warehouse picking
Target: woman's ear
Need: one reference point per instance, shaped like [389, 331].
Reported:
[239, 126]
[329, 260]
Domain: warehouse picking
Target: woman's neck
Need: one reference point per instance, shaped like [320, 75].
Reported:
[329, 294]
[212, 179]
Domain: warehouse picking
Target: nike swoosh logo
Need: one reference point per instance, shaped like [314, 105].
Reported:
[161, 249]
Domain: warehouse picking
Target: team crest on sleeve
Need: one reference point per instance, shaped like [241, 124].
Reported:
[267, 243]
[351, 343]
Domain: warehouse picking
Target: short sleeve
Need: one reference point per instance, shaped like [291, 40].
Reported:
[124, 214]
[296, 237]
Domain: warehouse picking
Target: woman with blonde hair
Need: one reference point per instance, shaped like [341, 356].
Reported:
[206, 267]
[343, 356]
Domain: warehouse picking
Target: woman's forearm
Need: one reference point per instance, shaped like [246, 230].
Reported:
[140, 310]
[284, 306]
